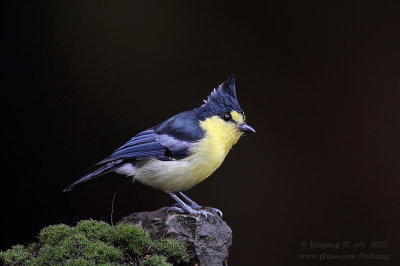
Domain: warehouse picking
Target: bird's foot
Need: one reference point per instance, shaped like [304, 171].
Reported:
[217, 211]
[209, 209]
[193, 208]
[191, 211]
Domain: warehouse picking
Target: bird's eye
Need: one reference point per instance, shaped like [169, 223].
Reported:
[227, 116]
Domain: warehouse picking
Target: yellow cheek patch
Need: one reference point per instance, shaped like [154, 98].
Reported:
[223, 135]
[238, 118]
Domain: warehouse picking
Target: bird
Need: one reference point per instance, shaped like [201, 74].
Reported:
[182, 151]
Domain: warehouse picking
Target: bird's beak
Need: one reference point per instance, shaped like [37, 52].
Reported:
[246, 128]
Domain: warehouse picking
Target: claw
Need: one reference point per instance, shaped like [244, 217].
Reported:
[217, 211]
[204, 213]
[190, 211]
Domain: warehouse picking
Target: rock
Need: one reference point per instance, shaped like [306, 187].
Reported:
[207, 239]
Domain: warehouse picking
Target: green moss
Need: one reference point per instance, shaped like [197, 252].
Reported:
[16, 255]
[131, 238]
[171, 248]
[95, 230]
[155, 260]
[53, 234]
[33, 247]
[102, 252]
[95, 243]
[79, 262]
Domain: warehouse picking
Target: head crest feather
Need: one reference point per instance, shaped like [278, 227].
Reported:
[229, 86]
[224, 97]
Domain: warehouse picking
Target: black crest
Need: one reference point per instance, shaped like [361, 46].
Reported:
[229, 86]
[223, 99]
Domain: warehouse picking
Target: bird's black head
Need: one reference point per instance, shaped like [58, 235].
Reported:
[223, 102]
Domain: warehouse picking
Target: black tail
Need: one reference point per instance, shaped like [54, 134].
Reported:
[98, 172]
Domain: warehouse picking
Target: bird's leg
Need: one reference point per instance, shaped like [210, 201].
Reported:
[193, 204]
[196, 206]
[183, 207]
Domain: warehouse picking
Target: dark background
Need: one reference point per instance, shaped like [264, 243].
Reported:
[318, 81]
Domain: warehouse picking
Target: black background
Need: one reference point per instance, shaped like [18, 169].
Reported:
[319, 81]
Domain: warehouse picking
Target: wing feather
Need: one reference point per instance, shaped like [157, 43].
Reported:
[149, 144]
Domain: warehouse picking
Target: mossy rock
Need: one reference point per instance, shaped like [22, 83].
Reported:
[95, 230]
[171, 248]
[96, 243]
[131, 238]
[16, 255]
[155, 260]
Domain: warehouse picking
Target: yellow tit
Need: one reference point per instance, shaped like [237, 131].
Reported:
[182, 151]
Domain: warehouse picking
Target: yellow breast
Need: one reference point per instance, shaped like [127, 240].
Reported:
[206, 156]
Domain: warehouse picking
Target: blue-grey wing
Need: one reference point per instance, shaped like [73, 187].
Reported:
[149, 144]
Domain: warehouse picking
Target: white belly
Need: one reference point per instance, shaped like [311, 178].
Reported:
[180, 175]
